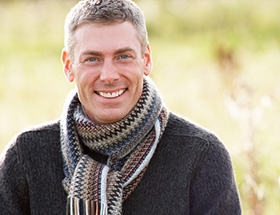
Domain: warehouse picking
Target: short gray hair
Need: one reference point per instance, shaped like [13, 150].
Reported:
[104, 12]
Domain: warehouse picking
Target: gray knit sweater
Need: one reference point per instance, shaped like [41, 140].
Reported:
[190, 173]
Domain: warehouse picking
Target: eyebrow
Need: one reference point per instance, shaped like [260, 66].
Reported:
[126, 49]
[118, 51]
[89, 52]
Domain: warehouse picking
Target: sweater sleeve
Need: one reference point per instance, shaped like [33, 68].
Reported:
[214, 189]
[13, 185]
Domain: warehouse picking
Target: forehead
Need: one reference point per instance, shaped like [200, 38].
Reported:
[106, 38]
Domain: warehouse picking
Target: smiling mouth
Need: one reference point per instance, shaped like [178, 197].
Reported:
[111, 95]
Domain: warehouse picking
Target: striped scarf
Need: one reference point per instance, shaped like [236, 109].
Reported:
[97, 188]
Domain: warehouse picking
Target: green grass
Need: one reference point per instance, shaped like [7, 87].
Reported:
[190, 43]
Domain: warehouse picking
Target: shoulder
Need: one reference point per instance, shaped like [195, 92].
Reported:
[36, 148]
[30, 141]
[196, 137]
[183, 136]
[39, 133]
[182, 127]
[39, 130]
[36, 140]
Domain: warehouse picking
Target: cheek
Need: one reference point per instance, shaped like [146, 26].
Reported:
[84, 84]
[134, 74]
[138, 88]
[86, 78]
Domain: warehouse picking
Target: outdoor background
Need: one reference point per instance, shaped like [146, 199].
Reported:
[215, 62]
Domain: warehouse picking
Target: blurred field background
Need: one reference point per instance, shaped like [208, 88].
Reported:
[215, 62]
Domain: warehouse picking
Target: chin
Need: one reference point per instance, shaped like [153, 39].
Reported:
[111, 117]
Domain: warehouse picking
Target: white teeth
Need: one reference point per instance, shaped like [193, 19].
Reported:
[111, 95]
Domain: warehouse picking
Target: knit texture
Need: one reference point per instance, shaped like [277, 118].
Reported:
[190, 173]
[96, 188]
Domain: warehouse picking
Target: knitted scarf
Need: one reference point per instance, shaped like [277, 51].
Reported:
[97, 188]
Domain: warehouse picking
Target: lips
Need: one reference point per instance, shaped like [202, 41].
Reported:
[111, 95]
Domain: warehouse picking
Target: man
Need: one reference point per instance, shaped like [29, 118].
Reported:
[116, 149]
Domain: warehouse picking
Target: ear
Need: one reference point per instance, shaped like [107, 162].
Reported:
[67, 66]
[148, 63]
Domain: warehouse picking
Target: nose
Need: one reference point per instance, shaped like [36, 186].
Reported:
[109, 72]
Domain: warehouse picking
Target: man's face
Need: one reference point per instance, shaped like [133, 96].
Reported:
[108, 68]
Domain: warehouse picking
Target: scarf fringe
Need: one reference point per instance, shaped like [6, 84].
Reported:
[76, 206]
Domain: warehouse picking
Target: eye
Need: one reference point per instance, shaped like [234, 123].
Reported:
[91, 59]
[125, 56]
